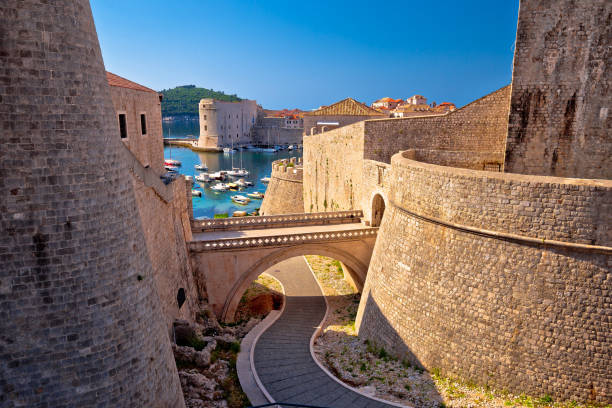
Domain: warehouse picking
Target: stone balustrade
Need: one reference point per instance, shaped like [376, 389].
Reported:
[282, 240]
[275, 221]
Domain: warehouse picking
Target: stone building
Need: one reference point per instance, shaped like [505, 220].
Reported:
[493, 261]
[278, 128]
[387, 103]
[339, 114]
[139, 120]
[226, 124]
[285, 182]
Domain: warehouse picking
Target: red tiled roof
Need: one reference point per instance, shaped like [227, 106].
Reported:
[116, 80]
[446, 103]
[347, 106]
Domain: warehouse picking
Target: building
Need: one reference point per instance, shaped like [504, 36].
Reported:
[417, 100]
[284, 127]
[139, 120]
[407, 109]
[226, 124]
[445, 107]
[386, 103]
[339, 114]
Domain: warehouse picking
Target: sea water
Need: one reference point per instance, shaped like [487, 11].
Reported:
[259, 165]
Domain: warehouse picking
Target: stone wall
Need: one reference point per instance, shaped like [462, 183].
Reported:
[310, 122]
[166, 238]
[147, 148]
[465, 278]
[479, 126]
[226, 124]
[285, 193]
[79, 312]
[276, 135]
[560, 122]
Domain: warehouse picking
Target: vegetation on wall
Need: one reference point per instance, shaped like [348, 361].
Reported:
[184, 100]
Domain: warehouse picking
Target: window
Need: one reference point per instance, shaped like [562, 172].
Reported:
[122, 126]
[205, 127]
[143, 124]
[204, 117]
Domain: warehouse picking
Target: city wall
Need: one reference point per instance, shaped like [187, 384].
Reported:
[285, 190]
[561, 121]
[497, 278]
[311, 127]
[269, 131]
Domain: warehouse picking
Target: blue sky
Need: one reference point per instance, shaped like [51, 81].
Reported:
[290, 54]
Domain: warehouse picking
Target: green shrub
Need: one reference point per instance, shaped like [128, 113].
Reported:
[224, 215]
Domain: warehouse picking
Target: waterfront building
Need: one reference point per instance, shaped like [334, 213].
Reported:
[226, 124]
[339, 114]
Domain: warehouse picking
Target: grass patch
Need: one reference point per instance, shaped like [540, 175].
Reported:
[224, 215]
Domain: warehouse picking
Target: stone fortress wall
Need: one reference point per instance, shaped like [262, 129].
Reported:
[499, 278]
[78, 311]
[226, 124]
[562, 129]
[284, 194]
[270, 131]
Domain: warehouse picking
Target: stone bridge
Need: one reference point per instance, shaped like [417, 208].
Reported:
[228, 254]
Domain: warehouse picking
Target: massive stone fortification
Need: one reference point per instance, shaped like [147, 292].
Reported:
[491, 276]
[78, 322]
[226, 124]
[561, 122]
[285, 191]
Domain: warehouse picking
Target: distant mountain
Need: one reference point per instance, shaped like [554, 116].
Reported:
[184, 100]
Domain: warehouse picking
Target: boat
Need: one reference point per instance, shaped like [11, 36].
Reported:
[268, 150]
[236, 172]
[240, 199]
[290, 147]
[241, 183]
[201, 167]
[170, 168]
[196, 193]
[239, 214]
[256, 194]
[248, 183]
[265, 180]
[218, 175]
[171, 162]
[233, 186]
[188, 178]
[220, 187]
[203, 177]
[228, 150]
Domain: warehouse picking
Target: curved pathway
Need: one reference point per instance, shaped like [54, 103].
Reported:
[282, 356]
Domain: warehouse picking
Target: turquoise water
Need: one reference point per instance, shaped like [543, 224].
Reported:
[258, 164]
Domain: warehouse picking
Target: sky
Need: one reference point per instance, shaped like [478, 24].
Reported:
[306, 54]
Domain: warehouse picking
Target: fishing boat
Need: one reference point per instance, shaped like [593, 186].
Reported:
[220, 187]
[171, 162]
[196, 193]
[240, 199]
[256, 194]
[265, 180]
[239, 214]
[201, 167]
[203, 177]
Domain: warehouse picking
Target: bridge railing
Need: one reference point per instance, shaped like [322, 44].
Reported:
[277, 221]
[283, 240]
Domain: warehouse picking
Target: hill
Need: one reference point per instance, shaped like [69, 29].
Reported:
[183, 100]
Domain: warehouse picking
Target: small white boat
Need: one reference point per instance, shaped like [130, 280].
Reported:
[201, 167]
[248, 183]
[241, 183]
[290, 147]
[203, 177]
[265, 180]
[171, 162]
[240, 199]
[196, 193]
[228, 150]
[268, 150]
[188, 178]
[170, 168]
[218, 175]
[256, 194]
[236, 172]
[220, 187]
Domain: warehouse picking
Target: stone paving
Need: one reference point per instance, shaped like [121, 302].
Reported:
[282, 356]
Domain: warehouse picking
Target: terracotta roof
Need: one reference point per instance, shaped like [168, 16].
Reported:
[446, 103]
[347, 106]
[116, 80]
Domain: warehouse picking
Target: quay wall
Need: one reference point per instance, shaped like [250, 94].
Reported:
[285, 192]
[79, 313]
[464, 278]
[276, 135]
[561, 118]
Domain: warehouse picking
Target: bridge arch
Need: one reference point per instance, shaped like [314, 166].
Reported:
[355, 266]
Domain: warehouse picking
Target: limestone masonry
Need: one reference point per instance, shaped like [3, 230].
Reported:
[286, 183]
[78, 302]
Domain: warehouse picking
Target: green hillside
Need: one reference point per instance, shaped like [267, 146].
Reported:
[183, 100]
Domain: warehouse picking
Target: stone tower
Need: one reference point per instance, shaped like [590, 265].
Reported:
[80, 323]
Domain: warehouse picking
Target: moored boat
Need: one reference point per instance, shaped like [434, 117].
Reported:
[239, 214]
[170, 168]
[256, 194]
[196, 193]
[220, 187]
[171, 162]
[203, 177]
[201, 167]
[240, 199]
[265, 180]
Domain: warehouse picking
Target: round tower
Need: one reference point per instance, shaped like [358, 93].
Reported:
[208, 124]
[285, 191]
[80, 321]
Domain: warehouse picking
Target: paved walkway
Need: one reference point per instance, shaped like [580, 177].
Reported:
[282, 354]
[273, 232]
